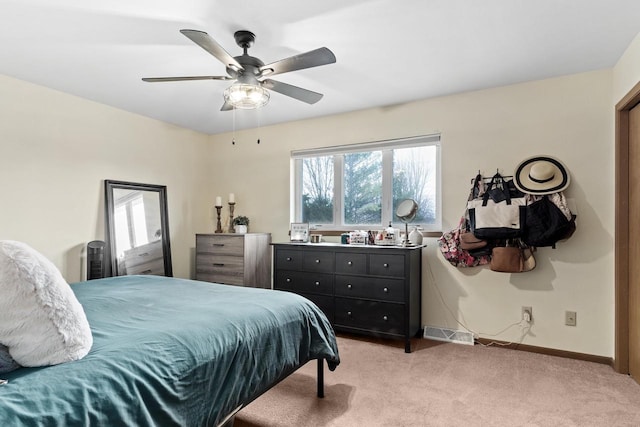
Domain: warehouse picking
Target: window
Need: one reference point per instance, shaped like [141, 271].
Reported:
[359, 186]
[130, 215]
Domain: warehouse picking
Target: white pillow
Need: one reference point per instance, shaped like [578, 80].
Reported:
[41, 321]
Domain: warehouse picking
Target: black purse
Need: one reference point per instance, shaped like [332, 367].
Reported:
[546, 224]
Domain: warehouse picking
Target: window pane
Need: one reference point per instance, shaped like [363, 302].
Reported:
[139, 221]
[414, 177]
[123, 242]
[317, 190]
[363, 188]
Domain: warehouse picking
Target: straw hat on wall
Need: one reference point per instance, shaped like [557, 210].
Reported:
[541, 175]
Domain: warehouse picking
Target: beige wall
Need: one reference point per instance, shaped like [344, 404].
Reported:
[56, 149]
[55, 152]
[626, 73]
[568, 117]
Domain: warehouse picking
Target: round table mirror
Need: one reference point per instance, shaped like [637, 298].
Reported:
[406, 211]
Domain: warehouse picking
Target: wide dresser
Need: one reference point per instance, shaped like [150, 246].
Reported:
[372, 290]
[234, 259]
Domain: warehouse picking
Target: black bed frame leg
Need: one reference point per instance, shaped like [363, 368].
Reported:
[407, 345]
[321, 378]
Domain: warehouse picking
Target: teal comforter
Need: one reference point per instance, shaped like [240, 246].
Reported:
[170, 352]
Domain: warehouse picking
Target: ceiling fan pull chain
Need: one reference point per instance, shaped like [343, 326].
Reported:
[233, 138]
[259, 123]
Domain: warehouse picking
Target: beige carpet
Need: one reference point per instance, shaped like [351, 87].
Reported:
[442, 384]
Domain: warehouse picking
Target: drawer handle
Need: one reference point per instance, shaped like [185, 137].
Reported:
[349, 313]
[144, 254]
[218, 244]
[289, 258]
[349, 263]
[217, 264]
[349, 286]
[288, 280]
[317, 283]
[385, 318]
[146, 272]
[385, 265]
[386, 290]
[317, 261]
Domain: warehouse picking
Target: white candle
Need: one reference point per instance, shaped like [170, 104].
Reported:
[232, 198]
[218, 201]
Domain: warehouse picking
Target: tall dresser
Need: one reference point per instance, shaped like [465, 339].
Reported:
[234, 259]
[373, 290]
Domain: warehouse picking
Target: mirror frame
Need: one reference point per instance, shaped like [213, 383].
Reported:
[410, 216]
[109, 186]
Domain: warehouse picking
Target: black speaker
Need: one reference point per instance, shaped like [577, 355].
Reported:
[95, 260]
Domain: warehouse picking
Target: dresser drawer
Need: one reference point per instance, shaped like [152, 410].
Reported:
[301, 282]
[212, 263]
[351, 263]
[220, 245]
[155, 267]
[145, 259]
[149, 249]
[386, 265]
[318, 261]
[370, 315]
[224, 277]
[220, 269]
[324, 303]
[288, 260]
[370, 288]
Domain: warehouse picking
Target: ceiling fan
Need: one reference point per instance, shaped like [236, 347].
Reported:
[250, 88]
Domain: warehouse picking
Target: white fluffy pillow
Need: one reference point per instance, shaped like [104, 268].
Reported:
[41, 321]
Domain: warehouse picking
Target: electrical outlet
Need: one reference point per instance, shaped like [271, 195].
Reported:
[570, 318]
[527, 314]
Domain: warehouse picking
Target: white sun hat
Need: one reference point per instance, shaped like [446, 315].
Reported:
[541, 175]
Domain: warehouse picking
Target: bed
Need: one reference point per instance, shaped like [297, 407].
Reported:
[171, 352]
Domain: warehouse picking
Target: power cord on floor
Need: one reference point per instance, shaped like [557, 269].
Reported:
[525, 325]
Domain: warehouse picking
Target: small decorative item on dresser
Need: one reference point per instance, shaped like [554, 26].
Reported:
[218, 209]
[232, 205]
[358, 237]
[241, 224]
[299, 232]
[415, 237]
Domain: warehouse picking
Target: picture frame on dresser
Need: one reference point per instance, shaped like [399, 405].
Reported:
[299, 232]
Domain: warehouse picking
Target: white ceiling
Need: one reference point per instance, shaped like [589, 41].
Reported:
[388, 51]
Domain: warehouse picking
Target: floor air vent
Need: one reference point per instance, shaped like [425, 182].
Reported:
[448, 335]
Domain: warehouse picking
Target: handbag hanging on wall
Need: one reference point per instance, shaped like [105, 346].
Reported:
[546, 224]
[450, 247]
[497, 215]
[456, 246]
[507, 259]
[513, 258]
[470, 242]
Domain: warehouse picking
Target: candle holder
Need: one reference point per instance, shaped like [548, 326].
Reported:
[219, 225]
[232, 229]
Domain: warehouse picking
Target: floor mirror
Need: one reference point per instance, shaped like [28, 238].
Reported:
[137, 228]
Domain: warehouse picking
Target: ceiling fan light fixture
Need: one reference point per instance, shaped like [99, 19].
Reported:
[246, 96]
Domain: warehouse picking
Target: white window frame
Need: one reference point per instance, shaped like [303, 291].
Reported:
[387, 148]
